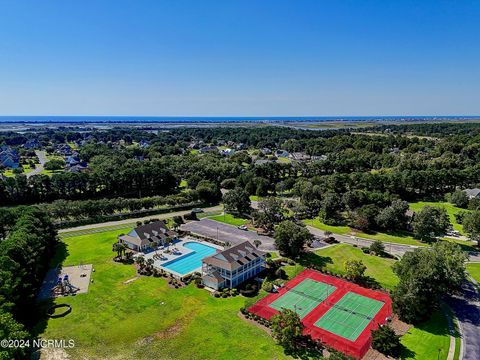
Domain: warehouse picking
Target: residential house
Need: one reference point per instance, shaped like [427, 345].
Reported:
[9, 157]
[282, 154]
[318, 157]
[232, 266]
[472, 193]
[300, 156]
[63, 149]
[207, 149]
[32, 144]
[72, 160]
[227, 152]
[144, 143]
[77, 168]
[147, 236]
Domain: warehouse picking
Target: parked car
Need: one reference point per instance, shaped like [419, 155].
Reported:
[197, 210]
[242, 227]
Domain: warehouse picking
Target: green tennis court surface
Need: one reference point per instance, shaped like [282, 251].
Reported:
[350, 315]
[304, 297]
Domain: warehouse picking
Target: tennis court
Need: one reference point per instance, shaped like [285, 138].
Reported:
[350, 315]
[304, 297]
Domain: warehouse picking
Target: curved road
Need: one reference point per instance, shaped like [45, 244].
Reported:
[392, 248]
[466, 307]
[42, 159]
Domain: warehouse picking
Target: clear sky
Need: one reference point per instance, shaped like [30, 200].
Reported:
[239, 57]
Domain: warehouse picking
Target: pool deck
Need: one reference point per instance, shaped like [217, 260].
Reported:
[182, 251]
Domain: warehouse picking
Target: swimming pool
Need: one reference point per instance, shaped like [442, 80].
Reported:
[192, 261]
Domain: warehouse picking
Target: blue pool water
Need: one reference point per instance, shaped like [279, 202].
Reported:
[187, 263]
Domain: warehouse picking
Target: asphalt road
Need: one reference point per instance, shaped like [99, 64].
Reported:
[394, 249]
[42, 158]
[466, 307]
[391, 248]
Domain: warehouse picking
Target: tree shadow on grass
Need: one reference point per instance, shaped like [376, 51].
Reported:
[61, 253]
[40, 318]
[311, 259]
[406, 352]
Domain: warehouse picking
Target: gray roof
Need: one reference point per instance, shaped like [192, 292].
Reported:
[148, 234]
[472, 192]
[234, 257]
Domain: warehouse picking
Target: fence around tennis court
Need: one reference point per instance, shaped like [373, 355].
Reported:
[355, 348]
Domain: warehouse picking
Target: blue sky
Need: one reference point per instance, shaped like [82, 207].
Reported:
[239, 57]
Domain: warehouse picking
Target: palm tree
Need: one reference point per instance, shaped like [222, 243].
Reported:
[118, 248]
[257, 243]
[140, 261]
[168, 241]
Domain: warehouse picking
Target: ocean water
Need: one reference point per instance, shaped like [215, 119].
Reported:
[214, 119]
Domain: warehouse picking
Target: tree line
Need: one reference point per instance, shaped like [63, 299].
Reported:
[27, 243]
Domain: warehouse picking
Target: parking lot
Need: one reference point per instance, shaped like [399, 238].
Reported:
[224, 232]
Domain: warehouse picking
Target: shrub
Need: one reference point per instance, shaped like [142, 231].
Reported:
[280, 273]
[267, 286]
[386, 341]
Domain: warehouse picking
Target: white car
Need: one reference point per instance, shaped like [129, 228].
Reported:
[242, 227]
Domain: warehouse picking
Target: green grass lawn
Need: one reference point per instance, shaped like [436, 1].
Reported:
[146, 319]
[333, 259]
[9, 172]
[474, 270]
[229, 219]
[451, 211]
[424, 341]
[399, 237]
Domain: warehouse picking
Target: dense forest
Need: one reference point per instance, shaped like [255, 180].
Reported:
[27, 244]
[348, 171]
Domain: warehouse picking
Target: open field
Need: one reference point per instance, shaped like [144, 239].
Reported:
[147, 319]
[399, 237]
[451, 211]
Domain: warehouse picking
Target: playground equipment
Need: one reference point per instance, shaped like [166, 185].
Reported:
[64, 287]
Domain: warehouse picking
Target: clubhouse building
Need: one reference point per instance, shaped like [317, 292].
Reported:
[146, 237]
[232, 266]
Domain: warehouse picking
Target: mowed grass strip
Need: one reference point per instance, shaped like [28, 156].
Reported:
[474, 270]
[229, 219]
[398, 237]
[145, 318]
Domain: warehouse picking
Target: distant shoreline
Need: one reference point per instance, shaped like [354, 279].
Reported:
[218, 119]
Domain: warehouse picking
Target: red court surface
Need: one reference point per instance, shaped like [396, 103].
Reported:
[356, 348]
